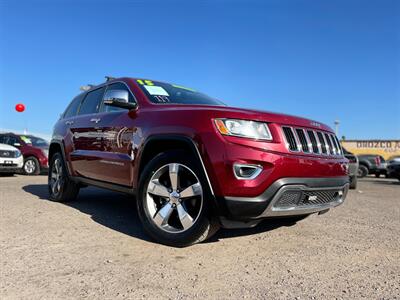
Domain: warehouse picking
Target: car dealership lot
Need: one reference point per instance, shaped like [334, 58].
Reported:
[96, 248]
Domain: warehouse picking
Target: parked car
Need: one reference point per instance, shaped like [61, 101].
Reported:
[353, 168]
[393, 167]
[371, 164]
[11, 160]
[34, 150]
[191, 162]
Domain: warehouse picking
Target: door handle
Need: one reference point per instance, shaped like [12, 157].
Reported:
[95, 120]
[69, 122]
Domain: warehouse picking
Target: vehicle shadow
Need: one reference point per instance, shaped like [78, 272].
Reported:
[118, 212]
[381, 181]
[113, 210]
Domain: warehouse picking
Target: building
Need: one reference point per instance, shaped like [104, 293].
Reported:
[385, 148]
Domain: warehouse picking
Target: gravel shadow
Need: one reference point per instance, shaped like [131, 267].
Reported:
[118, 212]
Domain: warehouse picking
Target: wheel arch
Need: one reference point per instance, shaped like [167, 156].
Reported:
[156, 144]
[55, 147]
[363, 163]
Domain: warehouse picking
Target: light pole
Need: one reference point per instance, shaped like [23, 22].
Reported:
[337, 122]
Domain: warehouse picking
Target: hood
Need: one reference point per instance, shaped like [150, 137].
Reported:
[255, 115]
[8, 147]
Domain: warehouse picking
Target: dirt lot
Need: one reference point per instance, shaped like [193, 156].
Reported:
[95, 248]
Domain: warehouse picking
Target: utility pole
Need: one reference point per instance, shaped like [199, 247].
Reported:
[337, 122]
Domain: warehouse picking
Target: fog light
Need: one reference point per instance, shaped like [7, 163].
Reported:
[244, 171]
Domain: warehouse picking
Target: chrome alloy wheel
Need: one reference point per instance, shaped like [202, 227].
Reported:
[56, 177]
[174, 198]
[29, 166]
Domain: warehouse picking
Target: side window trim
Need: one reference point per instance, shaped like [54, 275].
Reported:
[129, 91]
[84, 98]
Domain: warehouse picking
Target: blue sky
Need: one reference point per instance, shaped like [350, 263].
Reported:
[324, 60]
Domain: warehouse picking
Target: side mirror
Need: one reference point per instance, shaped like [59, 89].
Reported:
[118, 98]
[17, 145]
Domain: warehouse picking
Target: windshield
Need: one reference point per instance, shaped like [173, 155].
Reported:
[35, 141]
[164, 93]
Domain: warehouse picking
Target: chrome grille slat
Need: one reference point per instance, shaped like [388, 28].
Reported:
[335, 148]
[302, 139]
[290, 139]
[328, 141]
[322, 142]
[339, 146]
[311, 141]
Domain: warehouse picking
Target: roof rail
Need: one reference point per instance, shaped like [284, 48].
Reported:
[87, 87]
[108, 78]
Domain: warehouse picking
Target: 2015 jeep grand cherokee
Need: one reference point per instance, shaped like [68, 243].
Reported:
[193, 163]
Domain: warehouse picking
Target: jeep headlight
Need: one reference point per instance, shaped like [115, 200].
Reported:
[243, 128]
[18, 153]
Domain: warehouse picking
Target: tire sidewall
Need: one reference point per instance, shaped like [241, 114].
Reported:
[202, 223]
[57, 197]
[364, 171]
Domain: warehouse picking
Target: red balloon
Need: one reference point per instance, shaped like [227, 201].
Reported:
[19, 107]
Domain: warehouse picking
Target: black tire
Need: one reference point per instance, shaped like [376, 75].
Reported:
[68, 190]
[31, 166]
[205, 224]
[353, 182]
[377, 175]
[362, 171]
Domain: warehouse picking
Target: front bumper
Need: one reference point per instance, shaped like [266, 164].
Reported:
[290, 197]
[11, 165]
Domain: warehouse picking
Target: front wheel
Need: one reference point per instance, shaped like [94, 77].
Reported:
[362, 171]
[173, 200]
[61, 187]
[31, 166]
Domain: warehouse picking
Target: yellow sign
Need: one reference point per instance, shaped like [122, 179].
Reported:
[385, 148]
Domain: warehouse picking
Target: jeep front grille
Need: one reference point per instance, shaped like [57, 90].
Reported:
[311, 141]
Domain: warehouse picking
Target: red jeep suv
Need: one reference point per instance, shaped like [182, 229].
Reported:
[192, 163]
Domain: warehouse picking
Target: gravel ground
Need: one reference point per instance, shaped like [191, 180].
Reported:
[95, 248]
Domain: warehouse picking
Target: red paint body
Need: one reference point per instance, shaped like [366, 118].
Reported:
[87, 146]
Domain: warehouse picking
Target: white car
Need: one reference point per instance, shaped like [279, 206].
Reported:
[11, 159]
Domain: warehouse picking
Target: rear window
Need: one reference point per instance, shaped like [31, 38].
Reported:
[92, 101]
[73, 107]
[164, 93]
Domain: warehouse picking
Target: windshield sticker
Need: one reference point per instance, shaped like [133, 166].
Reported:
[156, 90]
[26, 139]
[143, 82]
[183, 88]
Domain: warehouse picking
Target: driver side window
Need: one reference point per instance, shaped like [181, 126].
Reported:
[116, 86]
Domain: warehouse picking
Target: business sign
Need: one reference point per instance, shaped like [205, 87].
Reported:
[385, 148]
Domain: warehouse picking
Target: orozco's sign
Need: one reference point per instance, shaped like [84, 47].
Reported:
[378, 144]
[385, 148]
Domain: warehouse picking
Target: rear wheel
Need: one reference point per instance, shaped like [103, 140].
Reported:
[31, 166]
[61, 187]
[173, 200]
[362, 171]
